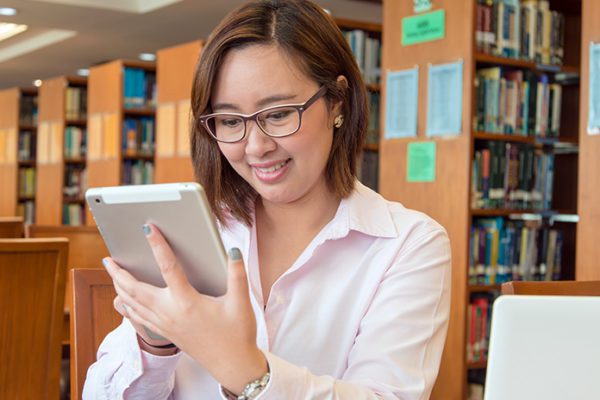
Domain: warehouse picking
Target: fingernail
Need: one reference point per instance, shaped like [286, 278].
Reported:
[235, 254]
[105, 262]
[146, 229]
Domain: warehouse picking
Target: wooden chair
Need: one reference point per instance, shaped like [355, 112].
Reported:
[11, 227]
[86, 250]
[558, 288]
[32, 290]
[93, 317]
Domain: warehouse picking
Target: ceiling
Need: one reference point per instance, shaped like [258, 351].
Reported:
[66, 35]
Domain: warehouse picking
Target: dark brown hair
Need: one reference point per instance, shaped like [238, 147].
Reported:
[311, 37]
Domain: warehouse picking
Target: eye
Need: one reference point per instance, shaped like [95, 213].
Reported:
[278, 115]
[230, 122]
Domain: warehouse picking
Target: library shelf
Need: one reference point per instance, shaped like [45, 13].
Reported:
[74, 160]
[140, 112]
[482, 288]
[477, 364]
[483, 58]
[373, 87]
[371, 147]
[26, 163]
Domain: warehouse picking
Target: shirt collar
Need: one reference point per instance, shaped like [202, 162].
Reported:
[364, 211]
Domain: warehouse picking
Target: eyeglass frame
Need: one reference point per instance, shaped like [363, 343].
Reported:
[301, 108]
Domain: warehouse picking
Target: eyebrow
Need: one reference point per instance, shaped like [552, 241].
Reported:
[260, 104]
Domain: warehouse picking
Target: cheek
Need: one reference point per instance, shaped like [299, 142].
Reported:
[233, 152]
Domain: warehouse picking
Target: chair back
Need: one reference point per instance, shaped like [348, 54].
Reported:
[557, 288]
[92, 318]
[32, 290]
[11, 227]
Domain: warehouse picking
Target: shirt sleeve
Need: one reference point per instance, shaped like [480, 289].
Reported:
[124, 371]
[398, 348]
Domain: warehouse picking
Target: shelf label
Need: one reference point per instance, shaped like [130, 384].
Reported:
[423, 28]
[420, 162]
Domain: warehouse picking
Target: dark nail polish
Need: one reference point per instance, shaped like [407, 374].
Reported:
[235, 254]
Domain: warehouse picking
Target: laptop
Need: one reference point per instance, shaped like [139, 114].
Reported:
[544, 347]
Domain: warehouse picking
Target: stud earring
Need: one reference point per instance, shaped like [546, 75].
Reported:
[338, 121]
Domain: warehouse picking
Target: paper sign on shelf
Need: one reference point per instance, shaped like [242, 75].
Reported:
[420, 161]
[94, 150]
[183, 128]
[444, 99]
[111, 136]
[423, 28]
[401, 103]
[43, 148]
[165, 130]
[593, 126]
[55, 142]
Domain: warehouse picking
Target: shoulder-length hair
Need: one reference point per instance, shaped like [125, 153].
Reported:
[311, 37]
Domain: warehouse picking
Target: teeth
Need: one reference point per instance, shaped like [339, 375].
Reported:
[274, 167]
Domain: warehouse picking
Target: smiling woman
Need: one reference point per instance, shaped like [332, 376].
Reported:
[333, 291]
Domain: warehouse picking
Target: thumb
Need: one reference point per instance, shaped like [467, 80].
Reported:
[237, 280]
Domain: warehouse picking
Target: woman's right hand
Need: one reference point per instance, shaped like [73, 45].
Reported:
[146, 342]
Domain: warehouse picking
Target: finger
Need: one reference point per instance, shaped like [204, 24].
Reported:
[140, 291]
[119, 307]
[237, 279]
[130, 305]
[141, 320]
[170, 269]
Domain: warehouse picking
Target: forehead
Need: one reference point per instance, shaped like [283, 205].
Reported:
[259, 69]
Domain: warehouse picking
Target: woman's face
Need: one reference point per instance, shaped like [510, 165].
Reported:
[282, 170]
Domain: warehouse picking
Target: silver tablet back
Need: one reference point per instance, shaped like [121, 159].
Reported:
[181, 213]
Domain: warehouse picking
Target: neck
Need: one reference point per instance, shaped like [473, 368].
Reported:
[309, 213]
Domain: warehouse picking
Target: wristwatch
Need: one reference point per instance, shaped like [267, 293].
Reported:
[252, 390]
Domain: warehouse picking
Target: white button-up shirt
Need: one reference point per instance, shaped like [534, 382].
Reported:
[361, 314]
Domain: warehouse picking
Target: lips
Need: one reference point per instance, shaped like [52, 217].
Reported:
[270, 172]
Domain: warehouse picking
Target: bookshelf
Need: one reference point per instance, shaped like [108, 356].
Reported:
[18, 129]
[175, 73]
[61, 151]
[121, 120]
[588, 251]
[364, 39]
[455, 201]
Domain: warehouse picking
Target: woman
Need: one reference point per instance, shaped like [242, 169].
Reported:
[333, 292]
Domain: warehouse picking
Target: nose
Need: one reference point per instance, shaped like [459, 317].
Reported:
[257, 142]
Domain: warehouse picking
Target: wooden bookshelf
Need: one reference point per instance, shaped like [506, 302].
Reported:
[175, 73]
[12, 126]
[369, 164]
[55, 121]
[107, 113]
[588, 251]
[448, 198]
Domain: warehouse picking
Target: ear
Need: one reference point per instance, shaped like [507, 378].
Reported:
[342, 84]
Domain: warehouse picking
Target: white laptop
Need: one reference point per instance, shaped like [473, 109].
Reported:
[544, 347]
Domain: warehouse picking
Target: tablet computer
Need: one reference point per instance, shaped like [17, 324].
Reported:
[182, 214]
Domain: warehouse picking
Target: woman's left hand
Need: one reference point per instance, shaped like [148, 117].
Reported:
[218, 332]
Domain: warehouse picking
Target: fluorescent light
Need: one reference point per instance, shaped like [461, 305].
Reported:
[8, 11]
[83, 72]
[8, 30]
[147, 57]
[37, 83]
[34, 42]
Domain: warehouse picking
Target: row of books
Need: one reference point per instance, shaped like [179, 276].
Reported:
[75, 103]
[73, 214]
[28, 110]
[75, 183]
[26, 182]
[367, 51]
[373, 130]
[512, 176]
[26, 210]
[369, 169]
[138, 136]
[502, 251]
[517, 102]
[138, 172]
[75, 142]
[139, 88]
[479, 314]
[27, 146]
[525, 29]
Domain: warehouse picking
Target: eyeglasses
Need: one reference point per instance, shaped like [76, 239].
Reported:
[277, 121]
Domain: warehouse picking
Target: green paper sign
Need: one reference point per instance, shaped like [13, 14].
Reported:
[420, 162]
[423, 28]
